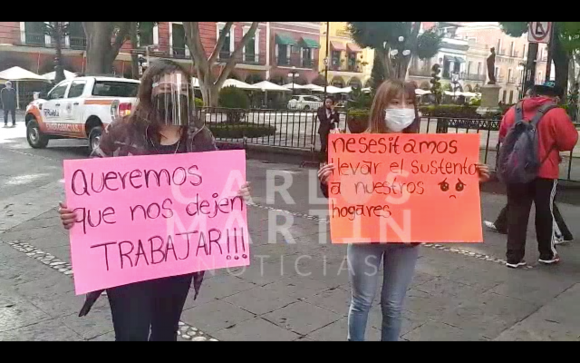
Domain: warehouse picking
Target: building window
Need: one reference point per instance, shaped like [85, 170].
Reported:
[178, 40]
[145, 34]
[335, 59]
[34, 32]
[352, 62]
[539, 80]
[510, 80]
[228, 48]
[511, 97]
[478, 68]
[469, 67]
[498, 50]
[513, 49]
[283, 54]
[503, 99]
[524, 54]
[307, 58]
[78, 39]
[250, 55]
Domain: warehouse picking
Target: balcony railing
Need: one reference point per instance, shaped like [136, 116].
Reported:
[346, 68]
[294, 61]
[501, 79]
[34, 39]
[78, 43]
[511, 80]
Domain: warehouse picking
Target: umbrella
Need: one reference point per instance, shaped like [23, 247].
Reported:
[239, 84]
[18, 75]
[291, 86]
[314, 88]
[366, 90]
[421, 92]
[346, 90]
[269, 86]
[332, 89]
[52, 75]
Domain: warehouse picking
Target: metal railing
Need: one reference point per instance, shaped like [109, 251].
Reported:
[295, 61]
[299, 130]
[78, 43]
[278, 128]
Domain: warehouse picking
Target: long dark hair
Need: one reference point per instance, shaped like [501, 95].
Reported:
[143, 116]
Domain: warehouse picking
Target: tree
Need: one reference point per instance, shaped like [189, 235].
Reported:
[101, 51]
[319, 80]
[436, 90]
[377, 74]
[566, 44]
[395, 43]
[57, 30]
[209, 82]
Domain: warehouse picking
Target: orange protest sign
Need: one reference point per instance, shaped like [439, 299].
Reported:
[404, 188]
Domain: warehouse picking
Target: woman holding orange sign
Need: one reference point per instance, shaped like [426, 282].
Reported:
[394, 110]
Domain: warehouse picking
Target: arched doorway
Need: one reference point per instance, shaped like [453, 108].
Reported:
[355, 82]
[337, 81]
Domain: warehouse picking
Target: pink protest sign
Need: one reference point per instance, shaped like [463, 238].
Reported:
[145, 217]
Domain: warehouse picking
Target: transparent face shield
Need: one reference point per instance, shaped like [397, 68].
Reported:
[172, 99]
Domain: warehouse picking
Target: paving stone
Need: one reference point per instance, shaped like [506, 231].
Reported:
[531, 290]
[17, 312]
[440, 286]
[302, 318]
[426, 306]
[96, 323]
[437, 331]
[50, 330]
[107, 337]
[46, 288]
[256, 329]
[65, 304]
[214, 316]
[217, 288]
[263, 273]
[260, 300]
[334, 299]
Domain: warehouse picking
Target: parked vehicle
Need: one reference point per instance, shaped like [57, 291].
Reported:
[79, 108]
[304, 102]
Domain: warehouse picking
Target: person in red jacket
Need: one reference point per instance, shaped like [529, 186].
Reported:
[556, 133]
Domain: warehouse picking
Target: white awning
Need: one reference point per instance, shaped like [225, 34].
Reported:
[346, 89]
[52, 75]
[269, 86]
[421, 92]
[332, 89]
[20, 75]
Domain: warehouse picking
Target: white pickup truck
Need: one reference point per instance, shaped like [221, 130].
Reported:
[79, 108]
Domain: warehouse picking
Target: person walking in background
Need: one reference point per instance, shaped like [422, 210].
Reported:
[163, 123]
[329, 120]
[563, 234]
[394, 110]
[555, 132]
[8, 96]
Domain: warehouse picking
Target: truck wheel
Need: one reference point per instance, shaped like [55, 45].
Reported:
[94, 138]
[35, 138]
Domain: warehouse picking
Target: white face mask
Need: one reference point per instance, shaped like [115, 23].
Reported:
[398, 119]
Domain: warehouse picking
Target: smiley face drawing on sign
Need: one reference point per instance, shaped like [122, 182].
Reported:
[457, 188]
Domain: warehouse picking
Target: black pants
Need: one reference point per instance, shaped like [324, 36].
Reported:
[520, 197]
[13, 112]
[154, 306]
[501, 223]
[324, 147]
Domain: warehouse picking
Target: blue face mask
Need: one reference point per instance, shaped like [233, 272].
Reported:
[398, 119]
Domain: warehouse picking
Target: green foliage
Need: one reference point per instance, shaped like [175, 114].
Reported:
[435, 84]
[319, 81]
[474, 101]
[514, 28]
[358, 120]
[428, 44]
[359, 100]
[240, 130]
[198, 102]
[254, 78]
[232, 97]
[377, 74]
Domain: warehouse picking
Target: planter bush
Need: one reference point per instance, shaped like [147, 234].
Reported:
[236, 101]
[358, 120]
[241, 129]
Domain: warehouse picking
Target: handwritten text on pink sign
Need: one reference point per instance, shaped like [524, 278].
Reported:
[145, 217]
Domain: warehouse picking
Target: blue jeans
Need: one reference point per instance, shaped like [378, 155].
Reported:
[364, 263]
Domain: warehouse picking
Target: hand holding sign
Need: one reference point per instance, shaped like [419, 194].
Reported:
[404, 188]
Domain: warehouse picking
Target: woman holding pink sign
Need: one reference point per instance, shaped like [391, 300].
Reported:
[394, 110]
[163, 122]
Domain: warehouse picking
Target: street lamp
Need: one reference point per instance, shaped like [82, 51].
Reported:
[293, 74]
[454, 81]
[399, 54]
[522, 68]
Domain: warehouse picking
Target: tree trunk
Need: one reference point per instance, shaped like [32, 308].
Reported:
[134, 56]
[101, 53]
[58, 35]
[561, 59]
[209, 93]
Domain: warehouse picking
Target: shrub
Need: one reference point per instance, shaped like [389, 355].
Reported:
[241, 129]
[232, 97]
[198, 102]
[358, 120]
[475, 102]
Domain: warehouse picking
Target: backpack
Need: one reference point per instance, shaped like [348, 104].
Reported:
[519, 161]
